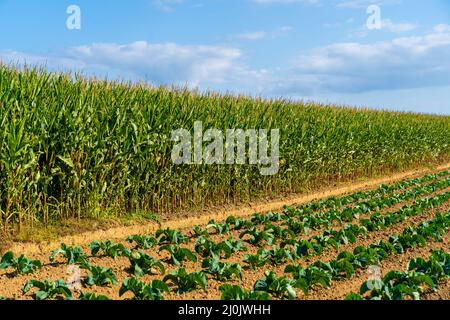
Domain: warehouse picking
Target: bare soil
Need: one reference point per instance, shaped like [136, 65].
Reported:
[11, 284]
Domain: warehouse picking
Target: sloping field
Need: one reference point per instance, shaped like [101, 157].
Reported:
[393, 242]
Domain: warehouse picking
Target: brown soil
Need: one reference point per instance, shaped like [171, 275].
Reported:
[11, 284]
[443, 292]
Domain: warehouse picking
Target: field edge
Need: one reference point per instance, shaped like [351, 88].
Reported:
[140, 227]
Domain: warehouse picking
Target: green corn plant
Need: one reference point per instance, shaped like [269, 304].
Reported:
[144, 291]
[21, 265]
[48, 289]
[72, 147]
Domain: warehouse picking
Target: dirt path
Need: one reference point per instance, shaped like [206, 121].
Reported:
[120, 233]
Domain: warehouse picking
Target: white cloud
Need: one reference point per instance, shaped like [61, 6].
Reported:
[256, 35]
[387, 25]
[405, 62]
[442, 28]
[166, 63]
[390, 26]
[259, 35]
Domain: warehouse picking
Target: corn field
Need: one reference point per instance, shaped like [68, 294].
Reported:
[72, 147]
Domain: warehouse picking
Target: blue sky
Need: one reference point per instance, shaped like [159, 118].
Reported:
[317, 50]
